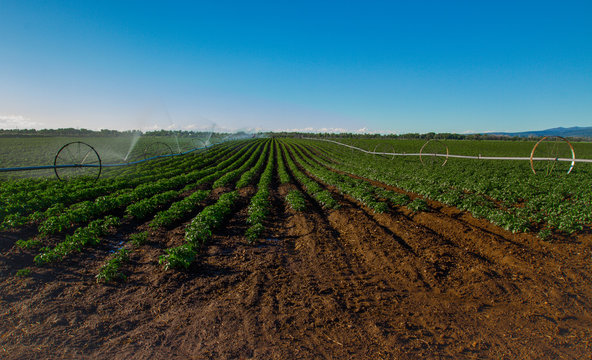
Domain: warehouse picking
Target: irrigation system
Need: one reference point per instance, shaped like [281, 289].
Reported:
[80, 159]
[424, 155]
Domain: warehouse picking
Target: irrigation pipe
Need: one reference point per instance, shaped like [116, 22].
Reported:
[524, 158]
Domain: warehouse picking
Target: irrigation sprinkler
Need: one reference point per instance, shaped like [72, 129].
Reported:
[199, 143]
[77, 159]
[156, 149]
[549, 151]
[432, 151]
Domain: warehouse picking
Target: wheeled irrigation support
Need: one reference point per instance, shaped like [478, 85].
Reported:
[573, 153]
[422, 153]
[100, 165]
[531, 158]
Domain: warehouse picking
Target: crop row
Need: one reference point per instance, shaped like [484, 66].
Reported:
[248, 176]
[322, 196]
[111, 270]
[294, 198]
[259, 206]
[230, 176]
[199, 231]
[142, 209]
[179, 210]
[360, 190]
[145, 199]
[90, 235]
[82, 237]
[283, 175]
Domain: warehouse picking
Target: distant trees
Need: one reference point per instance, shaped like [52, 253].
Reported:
[426, 136]
[61, 132]
[71, 132]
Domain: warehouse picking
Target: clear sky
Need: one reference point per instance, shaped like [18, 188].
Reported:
[376, 66]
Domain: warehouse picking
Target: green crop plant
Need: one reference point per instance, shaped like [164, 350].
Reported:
[139, 239]
[23, 272]
[28, 244]
[296, 200]
[111, 270]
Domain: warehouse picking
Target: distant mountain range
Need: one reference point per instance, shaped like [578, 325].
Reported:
[576, 131]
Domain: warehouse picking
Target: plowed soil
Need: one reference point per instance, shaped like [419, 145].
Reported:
[343, 284]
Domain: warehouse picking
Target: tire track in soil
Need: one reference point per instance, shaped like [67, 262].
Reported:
[370, 239]
[491, 290]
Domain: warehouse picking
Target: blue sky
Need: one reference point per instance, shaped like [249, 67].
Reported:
[413, 66]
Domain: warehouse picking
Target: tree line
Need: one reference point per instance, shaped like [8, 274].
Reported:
[71, 132]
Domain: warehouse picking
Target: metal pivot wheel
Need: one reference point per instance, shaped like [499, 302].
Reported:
[77, 159]
[381, 149]
[157, 149]
[552, 154]
[431, 151]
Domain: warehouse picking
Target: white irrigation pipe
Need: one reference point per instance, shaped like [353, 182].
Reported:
[525, 158]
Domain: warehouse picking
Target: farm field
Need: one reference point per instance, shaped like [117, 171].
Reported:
[300, 248]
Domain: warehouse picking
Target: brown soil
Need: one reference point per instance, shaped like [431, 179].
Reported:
[345, 283]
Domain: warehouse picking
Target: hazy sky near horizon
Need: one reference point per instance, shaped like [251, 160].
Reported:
[376, 66]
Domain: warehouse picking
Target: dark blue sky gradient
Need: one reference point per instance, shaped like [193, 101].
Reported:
[415, 66]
